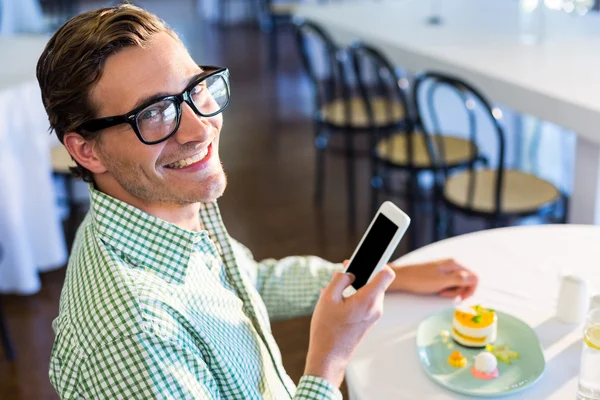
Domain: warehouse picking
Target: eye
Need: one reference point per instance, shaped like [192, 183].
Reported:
[198, 89]
[149, 114]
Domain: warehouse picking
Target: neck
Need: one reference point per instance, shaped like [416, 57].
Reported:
[184, 216]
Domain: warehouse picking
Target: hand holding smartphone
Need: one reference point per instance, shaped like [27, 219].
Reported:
[377, 245]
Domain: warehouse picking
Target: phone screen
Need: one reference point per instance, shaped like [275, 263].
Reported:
[371, 250]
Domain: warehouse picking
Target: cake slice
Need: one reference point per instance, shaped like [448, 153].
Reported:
[474, 326]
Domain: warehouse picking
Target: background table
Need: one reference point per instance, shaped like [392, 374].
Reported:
[519, 271]
[30, 227]
[479, 42]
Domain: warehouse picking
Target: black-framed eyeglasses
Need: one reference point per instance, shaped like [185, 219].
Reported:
[158, 119]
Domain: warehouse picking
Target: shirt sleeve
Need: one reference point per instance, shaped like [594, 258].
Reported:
[316, 388]
[289, 287]
[145, 366]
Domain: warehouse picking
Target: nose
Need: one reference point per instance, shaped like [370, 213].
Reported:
[192, 128]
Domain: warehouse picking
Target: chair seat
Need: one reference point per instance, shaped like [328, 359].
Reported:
[283, 9]
[394, 150]
[61, 160]
[522, 193]
[386, 113]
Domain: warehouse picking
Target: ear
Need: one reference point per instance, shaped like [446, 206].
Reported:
[85, 152]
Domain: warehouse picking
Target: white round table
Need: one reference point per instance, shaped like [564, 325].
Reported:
[519, 270]
[31, 234]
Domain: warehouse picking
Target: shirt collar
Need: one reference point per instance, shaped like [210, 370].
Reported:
[147, 241]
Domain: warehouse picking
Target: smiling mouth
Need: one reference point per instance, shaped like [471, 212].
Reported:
[186, 162]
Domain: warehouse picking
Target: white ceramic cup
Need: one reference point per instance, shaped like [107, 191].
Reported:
[573, 300]
[595, 302]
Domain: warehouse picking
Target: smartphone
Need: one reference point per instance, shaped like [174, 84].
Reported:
[377, 245]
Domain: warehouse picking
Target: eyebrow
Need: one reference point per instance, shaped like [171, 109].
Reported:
[160, 95]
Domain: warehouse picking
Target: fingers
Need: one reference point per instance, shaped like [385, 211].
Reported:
[470, 289]
[452, 292]
[448, 265]
[462, 278]
[379, 283]
[463, 284]
[339, 282]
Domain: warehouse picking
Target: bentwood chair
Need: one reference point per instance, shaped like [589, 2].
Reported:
[498, 195]
[59, 11]
[4, 338]
[61, 167]
[276, 16]
[400, 147]
[224, 8]
[339, 110]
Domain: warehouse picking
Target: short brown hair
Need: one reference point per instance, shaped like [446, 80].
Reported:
[74, 58]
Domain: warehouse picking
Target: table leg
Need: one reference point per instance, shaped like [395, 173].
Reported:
[585, 200]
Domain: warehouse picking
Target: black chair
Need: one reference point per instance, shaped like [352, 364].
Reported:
[497, 195]
[400, 145]
[59, 11]
[340, 110]
[275, 16]
[4, 338]
[224, 6]
[61, 167]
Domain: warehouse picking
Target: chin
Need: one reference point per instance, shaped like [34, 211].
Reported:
[213, 190]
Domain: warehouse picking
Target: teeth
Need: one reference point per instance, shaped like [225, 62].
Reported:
[190, 160]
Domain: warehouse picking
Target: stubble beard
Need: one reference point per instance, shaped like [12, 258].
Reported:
[143, 189]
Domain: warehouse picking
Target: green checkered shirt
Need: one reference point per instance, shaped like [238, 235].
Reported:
[153, 311]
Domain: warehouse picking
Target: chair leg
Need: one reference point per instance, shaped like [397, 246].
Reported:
[437, 217]
[273, 49]
[10, 353]
[377, 184]
[451, 232]
[495, 222]
[375, 189]
[565, 211]
[222, 11]
[73, 206]
[320, 147]
[412, 208]
[350, 181]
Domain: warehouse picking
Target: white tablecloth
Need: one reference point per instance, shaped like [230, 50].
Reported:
[30, 228]
[519, 270]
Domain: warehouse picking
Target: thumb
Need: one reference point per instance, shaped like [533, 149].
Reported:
[381, 281]
[339, 282]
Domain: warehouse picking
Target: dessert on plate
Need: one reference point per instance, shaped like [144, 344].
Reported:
[485, 366]
[503, 353]
[474, 326]
[457, 360]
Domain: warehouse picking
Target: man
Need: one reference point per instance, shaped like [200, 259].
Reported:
[159, 302]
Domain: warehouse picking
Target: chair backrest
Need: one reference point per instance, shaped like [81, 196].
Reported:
[425, 87]
[381, 86]
[317, 49]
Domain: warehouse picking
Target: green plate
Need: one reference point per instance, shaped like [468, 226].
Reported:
[524, 372]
